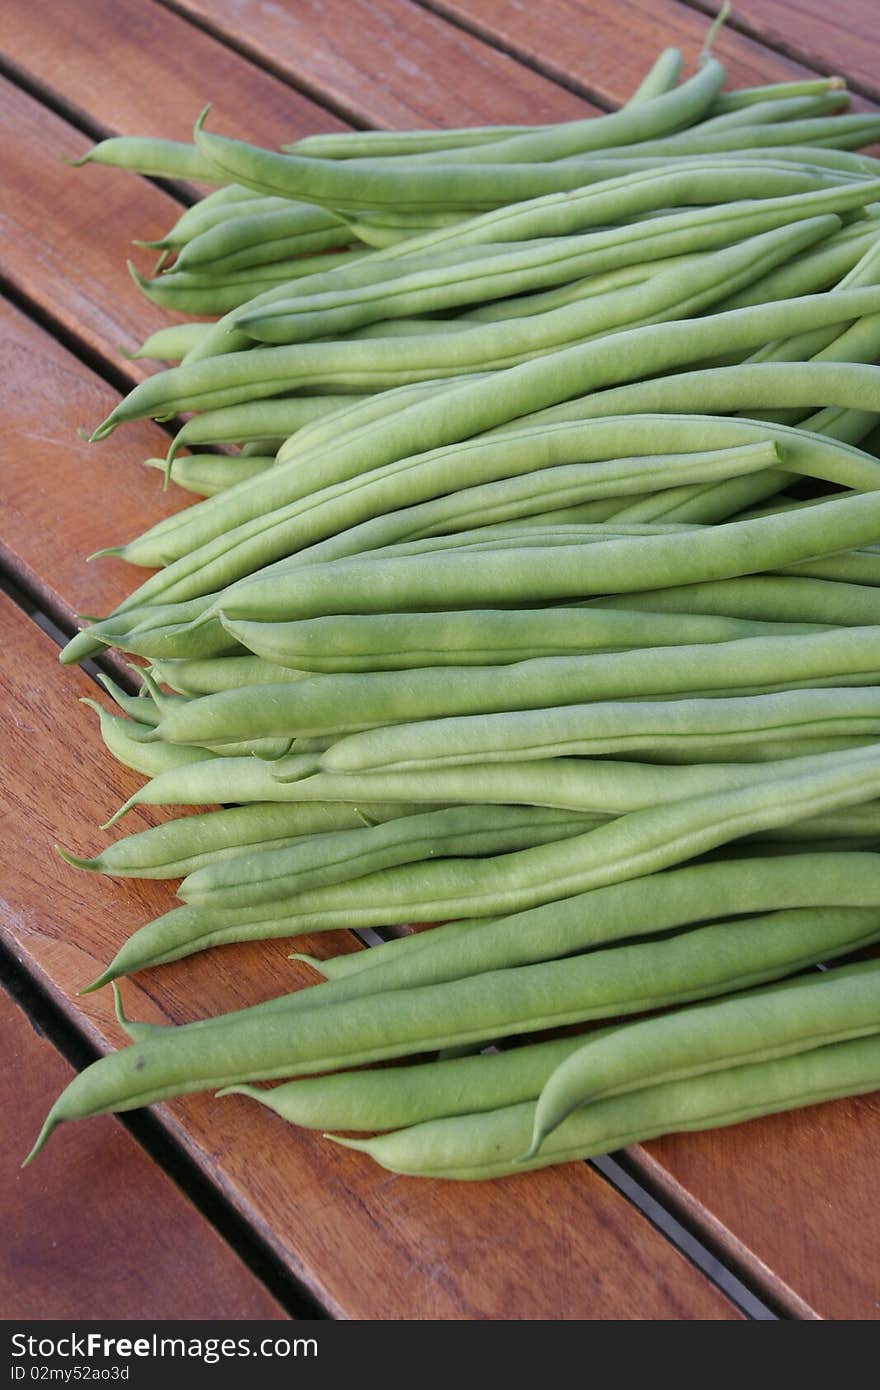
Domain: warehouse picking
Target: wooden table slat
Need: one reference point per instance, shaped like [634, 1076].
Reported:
[388, 63]
[606, 47]
[142, 1250]
[838, 38]
[163, 71]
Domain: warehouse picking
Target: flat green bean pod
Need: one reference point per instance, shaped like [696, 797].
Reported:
[758, 1026]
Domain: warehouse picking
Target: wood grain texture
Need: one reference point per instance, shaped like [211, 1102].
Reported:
[163, 71]
[606, 48]
[387, 63]
[68, 233]
[63, 498]
[794, 1196]
[833, 38]
[134, 1245]
[560, 1245]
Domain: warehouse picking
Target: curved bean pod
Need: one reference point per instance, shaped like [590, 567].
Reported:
[178, 847]
[630, 846]
[758, 1026]
[491, 1145]
[265, 876]
[176, 1061]
[398, 641]
[662, 902]
[664, 727]
[387, 1097]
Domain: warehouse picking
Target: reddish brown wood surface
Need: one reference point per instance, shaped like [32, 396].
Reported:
[62, 497]
[69, 232]
[163, 71]
[607, 47]
[803, 1212]
[562, 1245]
[138, 1248]
[842, 38]
[388, 62]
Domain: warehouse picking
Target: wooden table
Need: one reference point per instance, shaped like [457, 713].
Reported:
[200, 1209]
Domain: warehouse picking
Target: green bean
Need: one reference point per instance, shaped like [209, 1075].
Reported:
[131, 742]
[505, 498]
[171, 344]
[513, 575]
[260, 420]
[841, 132]
[387, 1097]
[208, 675]
[171, 159]
[791, 108]
[208, 474]
[707, 961]
[191, 292]
[472, 406]
[577, 784]
[636, 908]
[229, 201]
[358, 144]
[490, 1145]
[125, 739]
[630, 846]
[265, 876]
[256, 236]
[616, 727]
[675, 292]
[141, 707]
[178, 847]
[335, 703]
[353, 144]
[305, 522]
[759, 598]
[643, 191]
[748, 387]
[398, 641]
[757, 1026]
[749, 96]
[346, 184]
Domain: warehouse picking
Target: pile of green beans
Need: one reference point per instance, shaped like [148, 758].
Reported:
[540, 598]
